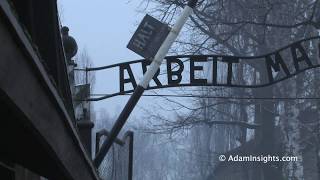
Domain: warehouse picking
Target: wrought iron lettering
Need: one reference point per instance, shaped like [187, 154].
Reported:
[186, 70]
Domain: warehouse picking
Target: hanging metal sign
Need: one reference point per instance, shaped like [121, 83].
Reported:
[227, 71]
[144, 83]
[148, 38]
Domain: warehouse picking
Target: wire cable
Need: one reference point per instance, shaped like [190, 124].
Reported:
[220, 97]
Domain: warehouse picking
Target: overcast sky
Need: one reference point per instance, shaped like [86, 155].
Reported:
[104, 28]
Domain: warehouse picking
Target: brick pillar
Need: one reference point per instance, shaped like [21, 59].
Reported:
[85, 130]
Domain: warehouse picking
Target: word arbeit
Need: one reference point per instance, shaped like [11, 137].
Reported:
[287, 61]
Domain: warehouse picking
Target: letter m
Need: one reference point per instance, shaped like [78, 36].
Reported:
[275, 65]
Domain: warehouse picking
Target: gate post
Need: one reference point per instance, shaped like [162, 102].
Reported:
[85, 130]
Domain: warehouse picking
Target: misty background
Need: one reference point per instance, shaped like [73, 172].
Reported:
[177, 138]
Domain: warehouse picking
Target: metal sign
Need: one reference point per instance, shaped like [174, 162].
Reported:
[146, 35]
[148, 38]
[186, 70]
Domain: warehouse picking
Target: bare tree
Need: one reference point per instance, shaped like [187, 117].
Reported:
[247, 28]
[83, 60]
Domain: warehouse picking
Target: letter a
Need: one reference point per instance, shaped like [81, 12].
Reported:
[129, 80]
[303, 57]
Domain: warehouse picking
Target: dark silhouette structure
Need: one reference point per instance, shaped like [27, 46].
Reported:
[39, 137]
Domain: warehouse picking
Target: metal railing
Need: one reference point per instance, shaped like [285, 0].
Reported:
[118, 162]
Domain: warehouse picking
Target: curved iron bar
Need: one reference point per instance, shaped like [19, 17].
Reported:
[104, 132]
[186, 56]
[250, 58]
[194, 85]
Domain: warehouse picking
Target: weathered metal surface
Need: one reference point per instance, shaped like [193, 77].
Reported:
[148, 37]
[184, 70]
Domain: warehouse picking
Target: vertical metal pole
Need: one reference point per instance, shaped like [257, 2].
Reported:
[86, 75]
[97, 143]
[164, 48]
[130, 165]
